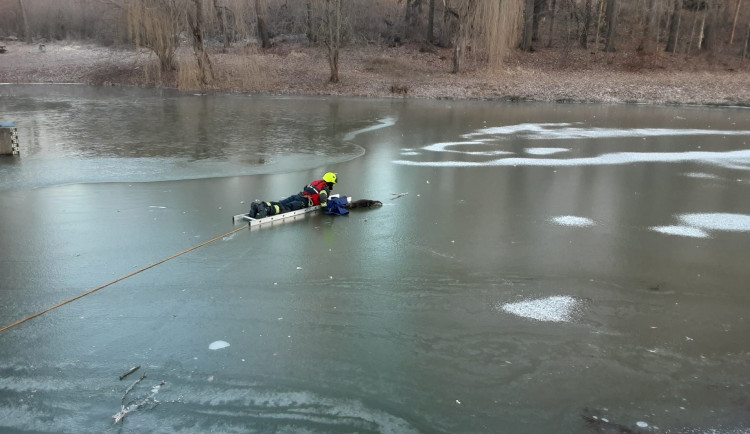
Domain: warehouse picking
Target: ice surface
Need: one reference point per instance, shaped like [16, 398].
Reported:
[558, 308]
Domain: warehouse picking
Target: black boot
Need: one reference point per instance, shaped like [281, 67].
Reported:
[262, 210]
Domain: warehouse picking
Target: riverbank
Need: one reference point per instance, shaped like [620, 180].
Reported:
[411, 71]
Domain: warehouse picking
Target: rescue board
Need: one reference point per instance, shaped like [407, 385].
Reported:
[287, 215]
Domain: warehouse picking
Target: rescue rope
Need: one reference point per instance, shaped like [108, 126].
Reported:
[119, 279]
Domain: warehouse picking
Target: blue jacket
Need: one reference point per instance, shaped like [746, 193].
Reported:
[336, 206]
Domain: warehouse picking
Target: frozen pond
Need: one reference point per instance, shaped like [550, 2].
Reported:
[535, 268]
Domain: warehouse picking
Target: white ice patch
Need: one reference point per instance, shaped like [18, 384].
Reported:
[701, 175]
[545, 151]
[727, 159]
[382, 123]
[561, 131]
[571, 220]
[217, 345]
[683, 231]
[696, 225]
[486, 137]
[558, 308]
[449, 147]
[718, 221]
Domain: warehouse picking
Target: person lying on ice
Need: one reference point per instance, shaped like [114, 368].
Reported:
[314, 193]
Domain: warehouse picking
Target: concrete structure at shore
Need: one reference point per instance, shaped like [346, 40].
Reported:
[8, 138]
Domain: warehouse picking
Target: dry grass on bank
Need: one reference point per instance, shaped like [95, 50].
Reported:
[404, 71]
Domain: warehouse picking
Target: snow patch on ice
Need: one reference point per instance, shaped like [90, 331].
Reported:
[382, 123]
[571, 220]
[697, 224]
[701, 175]
[718, 221]
[451, 147]
[725, 159]
[559, 308]
[545, 151]
[683, 231]
[217, 345]
[561, 131]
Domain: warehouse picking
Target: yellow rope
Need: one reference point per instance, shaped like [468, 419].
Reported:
[117, 280]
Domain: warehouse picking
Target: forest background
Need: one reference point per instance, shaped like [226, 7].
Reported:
[643, 51]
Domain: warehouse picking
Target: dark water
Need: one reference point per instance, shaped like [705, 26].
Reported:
[551, 267]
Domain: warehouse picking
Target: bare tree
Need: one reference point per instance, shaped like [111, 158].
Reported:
[156, 24]
[650, 19]
[674, 27]
[611, 17]
[734, 22]
[328, 31]
[260, 13]
[197, 26]
[221, 11]
[586, 25]
[24, 18]
[490, 28]
[711, 27]
[528, 25]
[431, 22]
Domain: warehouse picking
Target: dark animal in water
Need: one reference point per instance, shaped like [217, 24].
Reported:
[364, 203]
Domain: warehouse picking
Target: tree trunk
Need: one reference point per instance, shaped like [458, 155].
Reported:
[539, 5]
[222, 24]
[528, 25]
[711, 29]
[611, 25]
[647, 38]
[199, 48]
[674, 28]
[431, 22]
[333, 36]
[311, 34]
[734, 23]
[552, 24]
[598, 24]
[26, 28]
[260, 12]
[586, 25]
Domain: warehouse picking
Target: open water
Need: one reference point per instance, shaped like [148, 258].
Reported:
[534, 268]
